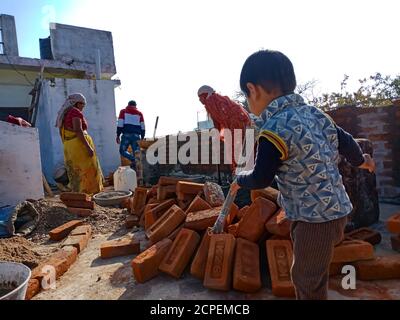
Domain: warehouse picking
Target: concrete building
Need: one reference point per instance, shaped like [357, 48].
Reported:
[73, 59]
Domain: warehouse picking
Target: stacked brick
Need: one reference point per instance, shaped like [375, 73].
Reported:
[79, 204]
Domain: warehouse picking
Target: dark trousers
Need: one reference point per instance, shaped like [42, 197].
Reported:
[313, 245]
[129, 139]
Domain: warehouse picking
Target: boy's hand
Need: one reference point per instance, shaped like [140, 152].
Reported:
[234, 188]
[369, 163]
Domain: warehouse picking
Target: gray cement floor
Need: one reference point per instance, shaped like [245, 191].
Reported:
[92, 278]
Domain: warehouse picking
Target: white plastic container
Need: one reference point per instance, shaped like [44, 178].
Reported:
[125, 179]
[18, 276]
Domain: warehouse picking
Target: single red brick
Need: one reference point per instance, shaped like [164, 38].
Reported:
[395, 240]
[353, 250]
[63, 231]
[59, 264]
[201, 220]
[33, 289]
[188, 188]
[380, 268]
[69, 253]
[166, 181]
[174, 233]
[393, 224]
[280, 259]
[79, 204]
[132, 221]
[166, 192]
[269, 193]
[139, 201]
[163, 207]
[252, 225]
[246, 272]
[74, 196]
[198, 267]
[149, 219]
[213, 194]
[279, 225]
[165, 225]
[178, 256]
[145, 265]
[242, 212]
[198, 204]
[85, 229]
[80, 212]
[365, 234]
[232, 229]
[79, 242]
[218, 274]
[119, 247]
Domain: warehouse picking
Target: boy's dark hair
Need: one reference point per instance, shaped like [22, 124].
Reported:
[269, 69]
[132, 103]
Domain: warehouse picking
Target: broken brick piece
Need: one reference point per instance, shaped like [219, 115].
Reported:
[119, 247]
[246, 272]
[232, 229]
[69, 253]
[393, 224]
[395, 241]
[353, 250]
[242, 212]
[74, 196]
[63, 231]
[79, 204]
[380, 268]
[79, 242]
[280, 258]
[139, 201]
[178, 256]
[279, 225]
[198, 204]
[365, 234]
[213, 194]
[252, 225]
[145, 265]
[85, 229]
[80, 212]
[218, 274]
[268, 193]
[188, 188]
[33, 289]
[166, 224]
[198, 267]
[132, 221]
[166, 192]
[201, 220]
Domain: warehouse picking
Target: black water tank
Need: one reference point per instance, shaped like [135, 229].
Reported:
[45, 49]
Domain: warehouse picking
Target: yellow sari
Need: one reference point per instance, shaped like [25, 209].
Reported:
[84, 172]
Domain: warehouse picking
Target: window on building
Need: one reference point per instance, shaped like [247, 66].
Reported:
[1, 42]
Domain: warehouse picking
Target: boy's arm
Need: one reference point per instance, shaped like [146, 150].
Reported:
[266, 165]
[349, 148]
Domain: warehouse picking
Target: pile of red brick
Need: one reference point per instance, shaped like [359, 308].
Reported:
[76, 237]
[393, 225]
[78, 203]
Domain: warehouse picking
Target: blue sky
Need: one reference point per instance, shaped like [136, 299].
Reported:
[165, 50]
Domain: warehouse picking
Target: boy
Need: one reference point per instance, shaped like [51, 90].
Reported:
[299, 145]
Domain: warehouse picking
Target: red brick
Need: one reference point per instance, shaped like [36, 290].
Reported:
[218, 274]
[201, 220]
[335, 269]
[132, 221]
[165, 225]
[165, 181]
[188, 188]
[198, 267]
[153, 200]
[33, 289]
[381, 268]
[280, 260]
[269, 193]
[63, 231]
[166, 192]
[252, 225]
[178, 256]
[365, 234]
[230, 217]
[145, 265]
[242, 212]
[184, 204]
[393, 224]
[139, 201]
[79, 242]
[80, 212]
[395, 240]
[279, 225]
[353, 250]
[233, 228]
[85, 229]
[149, 219]
[213, 194]
[126, 203]
[163, 207]
[119, 247]
[174, 233]
[74, 196]
[275, 237]
[79, 204]
[246, 272]
[69, 253]
[198, 204]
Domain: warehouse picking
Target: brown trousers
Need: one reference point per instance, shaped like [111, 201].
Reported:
[313, 245]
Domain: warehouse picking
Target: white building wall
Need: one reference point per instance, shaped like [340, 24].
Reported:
[20, 165]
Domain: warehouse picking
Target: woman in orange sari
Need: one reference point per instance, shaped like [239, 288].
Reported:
[80, 157]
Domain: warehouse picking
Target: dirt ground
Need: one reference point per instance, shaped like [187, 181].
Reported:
[92, 278]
